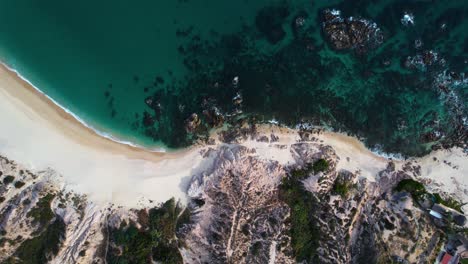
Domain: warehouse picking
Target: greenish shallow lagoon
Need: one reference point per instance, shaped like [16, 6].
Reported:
[103, 59]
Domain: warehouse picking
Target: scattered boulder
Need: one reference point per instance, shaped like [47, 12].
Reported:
[148, 120]
[192, 123]
[424, 60]
[213, 117]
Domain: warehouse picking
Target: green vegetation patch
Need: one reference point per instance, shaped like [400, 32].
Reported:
[41, 213]
[449, 202]
[19, 184]
[40, 249]
[156, 242]
[342, 185]
[304, 231]
[415, 188]
[300, 174]
[8, 179]
[320, 165]
[340, 188]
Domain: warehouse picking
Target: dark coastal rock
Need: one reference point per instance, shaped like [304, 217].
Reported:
[149, 101]
[431, 136]
[242, 130]
[263, 139]
[213, 117]
[153, 103]
[237, 100]
[350, 33]
[269, 22]
[148, 120]
[274, 138]
[298, 24]
[192, 123]
[424, 60]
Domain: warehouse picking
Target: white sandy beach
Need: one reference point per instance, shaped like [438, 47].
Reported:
[39, 134]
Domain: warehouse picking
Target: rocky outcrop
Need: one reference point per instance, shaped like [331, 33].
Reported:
[424, 60]
[213, 117]
[349, 33]
[192, 123]
[239, 217]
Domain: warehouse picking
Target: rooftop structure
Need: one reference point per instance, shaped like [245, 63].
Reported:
[443, 212]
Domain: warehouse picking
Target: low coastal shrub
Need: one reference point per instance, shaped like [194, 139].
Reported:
[39, 249]
[449, 202]
[415, 188]
[340, 188]
[8, 179]
[157, 242]
[320, 165]
[299, 174]
[41, 213]
[256, 248]
[304, 231]
[19, 184]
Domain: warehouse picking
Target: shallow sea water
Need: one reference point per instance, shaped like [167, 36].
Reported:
[103, 59]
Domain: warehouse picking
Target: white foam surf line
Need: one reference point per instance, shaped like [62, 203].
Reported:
[99, 133]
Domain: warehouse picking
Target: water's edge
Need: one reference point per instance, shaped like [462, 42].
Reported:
[106, 135]
[109, 136]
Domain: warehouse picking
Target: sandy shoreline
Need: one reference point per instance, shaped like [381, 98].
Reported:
[60, 119]
[40, 134]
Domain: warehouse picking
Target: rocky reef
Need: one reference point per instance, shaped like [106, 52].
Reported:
[349, 33]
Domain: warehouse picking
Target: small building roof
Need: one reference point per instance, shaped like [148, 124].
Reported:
[435, 214]
[441, 209]
[446, 259]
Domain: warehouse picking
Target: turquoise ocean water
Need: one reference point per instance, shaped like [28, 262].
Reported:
[139, 69]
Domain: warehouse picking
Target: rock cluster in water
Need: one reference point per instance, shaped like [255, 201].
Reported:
[346, 33]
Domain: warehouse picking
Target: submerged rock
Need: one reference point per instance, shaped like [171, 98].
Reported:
[269, 22]
[424, 60]
[407, 19]
[350, 33]
[148, 120]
